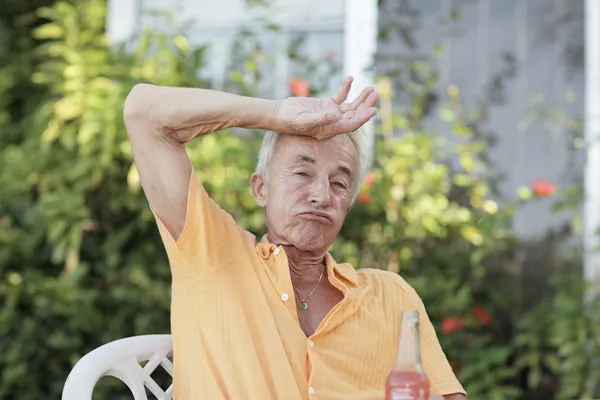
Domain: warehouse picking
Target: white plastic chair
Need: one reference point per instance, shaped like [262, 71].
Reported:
[122, 359]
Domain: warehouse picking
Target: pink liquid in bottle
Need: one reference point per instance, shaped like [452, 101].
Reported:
[408, 381]
[406, 385]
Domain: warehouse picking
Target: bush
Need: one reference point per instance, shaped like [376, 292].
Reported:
[81, 261]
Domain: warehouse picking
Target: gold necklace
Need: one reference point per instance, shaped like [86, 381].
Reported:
[303, 304]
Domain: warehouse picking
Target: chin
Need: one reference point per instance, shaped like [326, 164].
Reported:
[310, 242]
[308, 246]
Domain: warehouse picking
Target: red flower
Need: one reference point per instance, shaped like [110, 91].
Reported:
[299, 87]
[369, 179]
[363, 198]
[551, 384]
[542, 188]
[452, 324]
[481, 314]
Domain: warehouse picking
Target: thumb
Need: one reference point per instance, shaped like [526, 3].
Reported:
[329, 117]
[318, 119]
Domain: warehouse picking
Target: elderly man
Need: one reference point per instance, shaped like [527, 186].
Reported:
[278, 319]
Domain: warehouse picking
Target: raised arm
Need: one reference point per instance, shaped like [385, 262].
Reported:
[161, 120]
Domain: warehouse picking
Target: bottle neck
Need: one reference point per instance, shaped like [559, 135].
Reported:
[409, 348]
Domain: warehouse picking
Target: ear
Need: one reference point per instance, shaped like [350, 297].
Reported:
[259, 190]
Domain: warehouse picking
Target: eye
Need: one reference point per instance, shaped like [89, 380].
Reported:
[301, 173]
[340, 184]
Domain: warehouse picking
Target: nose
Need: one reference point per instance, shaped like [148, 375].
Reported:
[320, 193]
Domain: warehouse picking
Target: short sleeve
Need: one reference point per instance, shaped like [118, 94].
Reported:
[210, 238]
[438, 369]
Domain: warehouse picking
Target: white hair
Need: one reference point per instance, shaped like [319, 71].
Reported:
[269, 142]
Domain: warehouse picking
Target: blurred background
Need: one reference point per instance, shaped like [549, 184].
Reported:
[483, 190]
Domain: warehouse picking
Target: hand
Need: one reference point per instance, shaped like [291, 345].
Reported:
[436, 397]
[326, 117]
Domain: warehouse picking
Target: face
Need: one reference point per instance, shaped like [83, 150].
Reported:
[309, 191]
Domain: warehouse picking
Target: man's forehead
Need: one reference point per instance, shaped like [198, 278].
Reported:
[307, 146]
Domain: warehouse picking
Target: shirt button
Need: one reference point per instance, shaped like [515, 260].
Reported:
[276, 251]
[285, 297]
[311, 344]
[311, 390]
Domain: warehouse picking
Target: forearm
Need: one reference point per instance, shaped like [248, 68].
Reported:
[185, 113]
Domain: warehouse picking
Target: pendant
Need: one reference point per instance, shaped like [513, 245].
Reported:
[303, 305]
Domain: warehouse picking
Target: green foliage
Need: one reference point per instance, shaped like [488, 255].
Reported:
[560, 339]
[81, 262]
[80, 258]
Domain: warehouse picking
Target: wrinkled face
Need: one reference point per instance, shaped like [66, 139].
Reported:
[309, 190]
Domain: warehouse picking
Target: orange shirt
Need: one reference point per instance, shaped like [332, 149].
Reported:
[235, 328]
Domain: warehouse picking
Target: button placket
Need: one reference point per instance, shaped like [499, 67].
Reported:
[311, 373]
[282, 282]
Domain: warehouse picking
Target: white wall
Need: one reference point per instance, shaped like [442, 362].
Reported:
[217, 22]
[592, 136]
[360, 43]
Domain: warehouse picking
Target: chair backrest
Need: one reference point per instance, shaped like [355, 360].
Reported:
[122, 359]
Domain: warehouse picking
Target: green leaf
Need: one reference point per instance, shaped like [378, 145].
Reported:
[49, 31]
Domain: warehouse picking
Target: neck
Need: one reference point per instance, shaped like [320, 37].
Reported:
[305, 266]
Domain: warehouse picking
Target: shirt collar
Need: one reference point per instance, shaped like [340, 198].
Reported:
[344, 270]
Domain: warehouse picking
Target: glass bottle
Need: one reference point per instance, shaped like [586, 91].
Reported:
[408, 380]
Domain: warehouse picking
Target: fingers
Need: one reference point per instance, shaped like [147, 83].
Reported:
[364, 116]
[372, 99]
[353, 122]
[368, 97]
[342, 94]
[366, 92]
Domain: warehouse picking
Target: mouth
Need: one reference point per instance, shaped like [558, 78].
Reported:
[317, 216]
